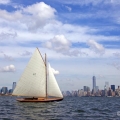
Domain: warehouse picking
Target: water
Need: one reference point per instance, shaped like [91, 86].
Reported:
[71, 108]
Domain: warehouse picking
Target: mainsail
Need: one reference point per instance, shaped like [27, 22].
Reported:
[34, 80]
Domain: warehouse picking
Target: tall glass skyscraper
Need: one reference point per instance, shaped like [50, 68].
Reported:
[113, 87]
[13, 86]
[94, 83]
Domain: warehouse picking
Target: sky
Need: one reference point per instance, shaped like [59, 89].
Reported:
[80, 37]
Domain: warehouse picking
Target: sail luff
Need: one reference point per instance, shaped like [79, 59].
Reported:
[41, 55]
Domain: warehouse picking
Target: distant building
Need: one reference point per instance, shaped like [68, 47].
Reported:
[98, 92]
[94, 84]
[13, 86]
[117, 92]
[88, 89]
[106, 89]
[107, 85]
[80, 92]
[88, 93]
[113, 87]
[85, 88]
[74, 93]
[110, 92]
[68, 93]
[96, 88]
[10, 91]
[4, 90]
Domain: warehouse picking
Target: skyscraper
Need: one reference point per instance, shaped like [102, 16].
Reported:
[4, 90]
[13, 86]
[96, 88]
[113, 87]
[94, 83]
[85, 88]
[107, 85]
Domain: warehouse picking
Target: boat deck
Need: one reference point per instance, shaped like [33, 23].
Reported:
[39, 99]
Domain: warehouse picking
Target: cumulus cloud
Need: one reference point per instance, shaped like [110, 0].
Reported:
[117, 54]
[33, 16]
[61, 45]
[7, 35]
[7, 57]
[4, 1]
[25, 53]
[39, 15]
[10, 68]
[55, 71]
[96, 47]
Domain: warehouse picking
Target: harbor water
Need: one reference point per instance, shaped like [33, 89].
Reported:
[71, 108]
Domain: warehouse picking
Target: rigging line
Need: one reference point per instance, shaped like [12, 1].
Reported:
[46, 73]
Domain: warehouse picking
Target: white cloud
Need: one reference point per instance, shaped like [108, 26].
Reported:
[96, 47]
[22, 19]
[7, 35]
[25, 53]
[11, 16]
[4, 1]
[62, 45]
[39, 14]
[33, 17]
[55, 71]
[10, 68]
[7, 57]
[116, 54]
[59, 43]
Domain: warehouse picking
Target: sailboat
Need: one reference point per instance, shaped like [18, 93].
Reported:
[38, 83]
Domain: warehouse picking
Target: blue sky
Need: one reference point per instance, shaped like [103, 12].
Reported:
[81, 39]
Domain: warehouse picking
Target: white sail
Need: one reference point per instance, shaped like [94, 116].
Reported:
[33, 80]
[53, 88]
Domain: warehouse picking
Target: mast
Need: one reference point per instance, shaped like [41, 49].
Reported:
[46, 72]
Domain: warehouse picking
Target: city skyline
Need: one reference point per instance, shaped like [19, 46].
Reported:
[85, 87]
[113, 91]
[81, 40]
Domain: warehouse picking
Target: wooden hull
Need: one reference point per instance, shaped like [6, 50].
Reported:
[39, 99]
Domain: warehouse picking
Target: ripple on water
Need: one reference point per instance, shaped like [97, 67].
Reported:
[71, 108]
[80, 111]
